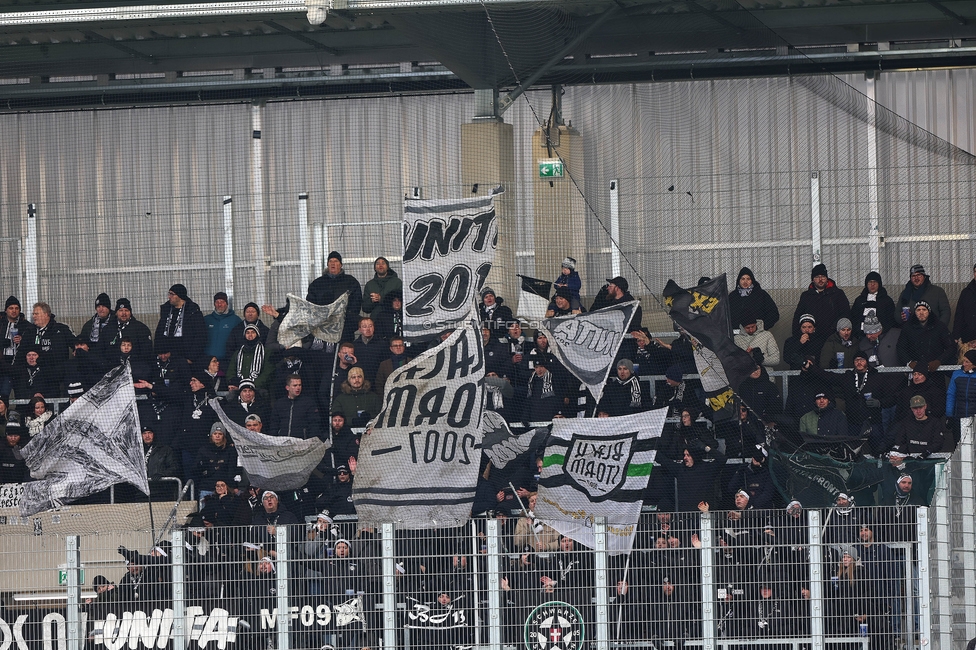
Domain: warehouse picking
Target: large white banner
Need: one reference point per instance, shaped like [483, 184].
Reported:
[587, 344]
[93, 444]
[419, 458]
[276, 463]
[598, 467]
[449, 246]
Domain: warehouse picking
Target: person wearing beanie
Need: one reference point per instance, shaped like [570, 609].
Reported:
[824, 422]
[964, 322]
[13, 468]
[798, 348]
[624, 393]
[920, 288]
[493, 313]
[384, 280]
[563, 304]
[880, 343]
[961, 394]
[99, 328]
[215, 461]
[328, 287]
[753, 335]
[823, 300]
[252, 316]
[748, 297]
[925, 337]
[220, 323]
[249, 362]
[839, 348]
[546, 384]
[569, 279]
[182, 325]
[138, 333]
[873, 298]
[15, 330]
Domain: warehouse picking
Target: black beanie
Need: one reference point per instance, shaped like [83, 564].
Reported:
[123, 302]
[12, 300]
[819, 269]
[103, 301]
[179, 290]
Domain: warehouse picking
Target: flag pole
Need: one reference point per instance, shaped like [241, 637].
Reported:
[525, 511]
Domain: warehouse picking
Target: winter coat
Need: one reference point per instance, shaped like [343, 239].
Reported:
[757, 303]
[296, 418]
[928, 341]
[933, 294]
[964, 324]
[351, 402]
[827, 307]
[833, 346]
[326, 289]
[219, 327]
[961, 395]
[880, 302]
[382, 286]
[189, 342]
[763, 340]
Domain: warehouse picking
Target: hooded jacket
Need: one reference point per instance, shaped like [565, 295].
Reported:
[756, 302]
[219, 327]
[881, 302]
[382, 286]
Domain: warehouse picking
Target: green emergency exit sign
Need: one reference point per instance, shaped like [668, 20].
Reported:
[551, 168]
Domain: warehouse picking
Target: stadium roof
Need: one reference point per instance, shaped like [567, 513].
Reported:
[74, 52]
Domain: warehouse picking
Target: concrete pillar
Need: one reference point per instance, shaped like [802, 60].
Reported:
[488, 160]
[558, 207]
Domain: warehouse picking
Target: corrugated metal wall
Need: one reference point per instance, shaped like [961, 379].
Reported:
[713, 175]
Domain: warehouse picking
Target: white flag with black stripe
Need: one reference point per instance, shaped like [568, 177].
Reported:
[598, 467]
[449, 247]
[419, 458]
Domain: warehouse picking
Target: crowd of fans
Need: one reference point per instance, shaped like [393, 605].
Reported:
[841, 397]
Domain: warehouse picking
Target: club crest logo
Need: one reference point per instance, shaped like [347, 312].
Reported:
[554, 626]
[598, 465]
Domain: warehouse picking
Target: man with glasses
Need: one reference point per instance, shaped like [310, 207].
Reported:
[397, 358]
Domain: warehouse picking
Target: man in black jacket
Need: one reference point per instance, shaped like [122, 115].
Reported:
[181, 322]
[295, 415]
[327, 288]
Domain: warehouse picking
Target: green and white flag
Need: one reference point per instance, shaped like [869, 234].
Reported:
[598, 467]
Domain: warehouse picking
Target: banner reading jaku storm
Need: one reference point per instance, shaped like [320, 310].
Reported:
[448, 249]
[419, 458]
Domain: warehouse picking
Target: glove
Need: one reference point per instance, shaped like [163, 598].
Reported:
[872, 403]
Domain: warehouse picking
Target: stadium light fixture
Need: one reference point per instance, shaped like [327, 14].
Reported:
[151, 12]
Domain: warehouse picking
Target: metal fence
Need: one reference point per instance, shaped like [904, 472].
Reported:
[834, 578]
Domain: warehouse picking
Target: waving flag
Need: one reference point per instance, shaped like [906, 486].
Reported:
[303, 318]
[533, 299]
[598, 467]
[93, 444]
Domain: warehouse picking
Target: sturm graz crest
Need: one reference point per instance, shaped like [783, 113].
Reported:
[554, 626]
[598, 464]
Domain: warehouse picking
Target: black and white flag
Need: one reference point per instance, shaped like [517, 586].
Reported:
[533, 299]
[587, 344]
[278, 463]
[303, 318]
[93, 444]
[449, 247]
[598, 467]
[419, 458]
[501, 445]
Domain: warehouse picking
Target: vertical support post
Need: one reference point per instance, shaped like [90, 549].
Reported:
[304, 245]
[816, 580]
[257, 199]
[389, 586]
[318, 247]
[924, 630]
[75, 631]
[601, 584]
[708, 581]
[815, 217]
[475, 586]
[942, 594]
[30, 257]
[614, 228]
[966, 506]
[179, 596]
[229, 249]
[494, 586]
[874, 231]
[281, 574]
